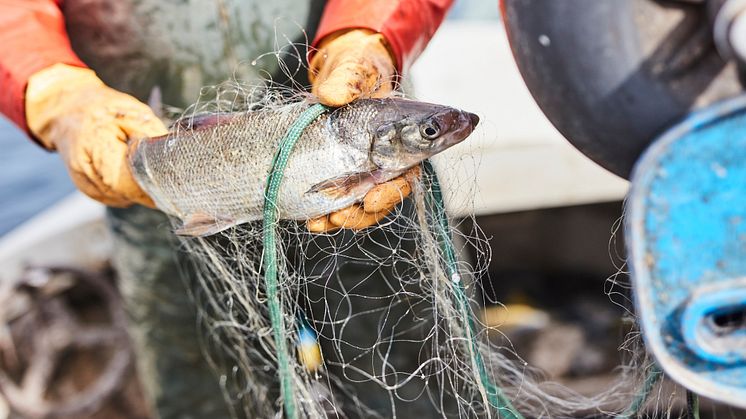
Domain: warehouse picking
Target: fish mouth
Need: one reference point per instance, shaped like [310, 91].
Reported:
[469, 122]
[473, 118]
[458, 125]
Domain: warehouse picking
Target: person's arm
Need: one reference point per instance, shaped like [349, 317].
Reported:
[406, 25]
[51, 94]
[359, 48]
[33, 37]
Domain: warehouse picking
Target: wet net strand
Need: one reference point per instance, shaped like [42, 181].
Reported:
[654, 375]
[495, 395]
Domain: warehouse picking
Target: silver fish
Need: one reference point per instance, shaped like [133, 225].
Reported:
[211, 171]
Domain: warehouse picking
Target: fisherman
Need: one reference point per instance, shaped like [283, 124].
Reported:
[74, 76]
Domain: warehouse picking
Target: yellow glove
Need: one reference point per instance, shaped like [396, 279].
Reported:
[349, 65]
[70, 110]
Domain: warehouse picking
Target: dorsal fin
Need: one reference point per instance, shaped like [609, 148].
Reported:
[204, 120]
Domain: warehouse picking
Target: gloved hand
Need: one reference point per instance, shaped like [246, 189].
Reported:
[70, 110]
[349, 65]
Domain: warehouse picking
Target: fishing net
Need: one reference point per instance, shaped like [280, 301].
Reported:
[383, 322]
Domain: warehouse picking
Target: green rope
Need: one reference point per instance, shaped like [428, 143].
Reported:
[434, 197]
[269, 256]
[692, 405]
[634, 409]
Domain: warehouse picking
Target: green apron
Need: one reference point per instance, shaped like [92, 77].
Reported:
[179, 46]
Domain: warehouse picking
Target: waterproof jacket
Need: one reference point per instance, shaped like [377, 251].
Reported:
[38, 33]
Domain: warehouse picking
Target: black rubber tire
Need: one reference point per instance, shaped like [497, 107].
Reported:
[613, 74]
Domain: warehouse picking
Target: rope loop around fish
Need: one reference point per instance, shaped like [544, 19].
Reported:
[269, 256]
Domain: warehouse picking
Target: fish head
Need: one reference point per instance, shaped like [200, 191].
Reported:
[405, 132]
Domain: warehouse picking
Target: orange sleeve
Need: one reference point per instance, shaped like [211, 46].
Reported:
[33, 36]
[407, 25]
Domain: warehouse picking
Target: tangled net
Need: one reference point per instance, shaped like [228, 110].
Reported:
[395, 317]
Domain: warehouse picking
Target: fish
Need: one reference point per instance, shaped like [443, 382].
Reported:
[210, 171]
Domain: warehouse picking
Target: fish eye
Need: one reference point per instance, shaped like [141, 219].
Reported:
[430, 130]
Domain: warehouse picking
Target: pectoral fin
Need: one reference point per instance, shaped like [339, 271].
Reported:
[200, 225]
[347, 184]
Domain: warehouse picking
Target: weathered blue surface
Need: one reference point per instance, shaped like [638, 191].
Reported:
[687, 237]
[723, 342]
